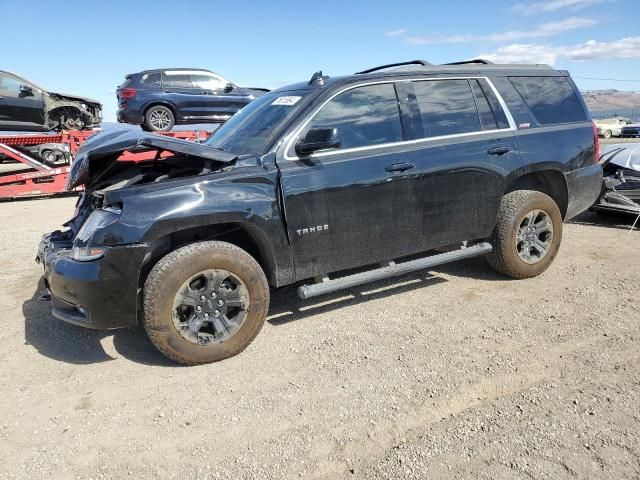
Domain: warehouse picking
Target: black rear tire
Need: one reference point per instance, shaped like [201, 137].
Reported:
[168, 278]
[522, 248]
[159, 119]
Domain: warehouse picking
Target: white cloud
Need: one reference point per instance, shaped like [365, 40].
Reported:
[628, 47]
[395, 33]
[552, 6]
[521, 53]
[544, 30]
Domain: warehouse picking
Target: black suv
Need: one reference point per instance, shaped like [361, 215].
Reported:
[333, 182]
[159, 99]
[26, 106]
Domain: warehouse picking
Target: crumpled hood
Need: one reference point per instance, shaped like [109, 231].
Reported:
[76, 97]
[625, 155]
[103, 149]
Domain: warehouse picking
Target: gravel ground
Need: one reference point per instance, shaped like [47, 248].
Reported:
[455, 373]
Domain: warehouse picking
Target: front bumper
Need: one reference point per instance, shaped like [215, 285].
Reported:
[584, 186]
[101, 293]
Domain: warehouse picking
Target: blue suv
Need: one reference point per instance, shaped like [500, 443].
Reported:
[159, 99]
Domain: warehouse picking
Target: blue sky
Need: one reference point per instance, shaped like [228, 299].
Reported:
[88, 47]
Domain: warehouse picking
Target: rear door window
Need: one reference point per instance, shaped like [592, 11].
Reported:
[551, 99]
[365, 116]
[447, 107]
[486, 115]
[494, 103]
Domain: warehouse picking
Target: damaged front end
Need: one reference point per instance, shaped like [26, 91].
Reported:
[99, 240]
[621, 183]
[71, 112]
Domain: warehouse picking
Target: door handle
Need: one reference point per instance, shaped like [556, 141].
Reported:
[498, 150]
[399, 167]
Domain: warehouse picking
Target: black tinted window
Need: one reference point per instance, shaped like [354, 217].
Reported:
[551, 99]
[152, 80]
[486, 115]
[447, 107]
[178, 80]
[496, 108]
[364, 116]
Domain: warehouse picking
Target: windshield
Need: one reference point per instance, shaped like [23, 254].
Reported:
[252, 129]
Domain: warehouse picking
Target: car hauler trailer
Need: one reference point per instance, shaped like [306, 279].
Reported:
[44, 160]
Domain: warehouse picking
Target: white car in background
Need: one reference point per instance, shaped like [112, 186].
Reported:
[611, 127]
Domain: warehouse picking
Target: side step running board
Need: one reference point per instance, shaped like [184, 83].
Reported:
[392, 270]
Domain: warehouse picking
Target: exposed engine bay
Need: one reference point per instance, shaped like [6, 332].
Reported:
[70, 112]
[97, 165]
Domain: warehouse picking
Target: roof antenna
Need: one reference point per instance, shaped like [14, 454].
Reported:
[317, 78]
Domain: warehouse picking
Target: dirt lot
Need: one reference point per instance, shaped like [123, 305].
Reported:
[456, 373]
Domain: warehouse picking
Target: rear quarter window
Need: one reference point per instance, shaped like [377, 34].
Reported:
[552, 100]
[152, 80]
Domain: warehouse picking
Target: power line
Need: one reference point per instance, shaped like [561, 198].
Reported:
[608, 79]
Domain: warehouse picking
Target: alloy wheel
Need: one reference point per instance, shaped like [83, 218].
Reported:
[210, 307]
[160, 119]
[534, 236]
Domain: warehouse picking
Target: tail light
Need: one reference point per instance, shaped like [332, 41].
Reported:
[596, 142]
[126, 93]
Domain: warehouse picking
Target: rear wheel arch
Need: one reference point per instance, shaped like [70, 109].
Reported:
[550, 182]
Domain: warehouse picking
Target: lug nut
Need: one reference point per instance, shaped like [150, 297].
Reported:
[202, 297]
[213, 295]
[220, 302]
[198, 308]
[206, 315]
[216, 313]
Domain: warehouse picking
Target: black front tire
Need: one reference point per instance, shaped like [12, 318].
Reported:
[509, 250]
[167, 278]
[159, 119]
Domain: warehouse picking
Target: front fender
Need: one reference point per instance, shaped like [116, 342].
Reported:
[152, 213]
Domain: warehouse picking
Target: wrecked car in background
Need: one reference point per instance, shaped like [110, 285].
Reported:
[26, 106]
[621, 184]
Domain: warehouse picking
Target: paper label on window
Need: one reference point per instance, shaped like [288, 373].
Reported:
[288, 101]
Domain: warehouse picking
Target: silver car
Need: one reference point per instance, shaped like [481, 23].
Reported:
[611, 127]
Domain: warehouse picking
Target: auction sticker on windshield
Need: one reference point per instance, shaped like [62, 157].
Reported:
[288, 101]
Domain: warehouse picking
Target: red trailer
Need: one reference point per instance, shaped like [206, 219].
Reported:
[46, 172]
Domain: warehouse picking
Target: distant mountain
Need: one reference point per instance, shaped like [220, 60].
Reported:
[611, 99]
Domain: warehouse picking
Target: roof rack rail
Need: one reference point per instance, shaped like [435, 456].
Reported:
[481, 61]
[424, 63]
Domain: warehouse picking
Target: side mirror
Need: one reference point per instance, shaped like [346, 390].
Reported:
[26, 90]
[228, 87]
[318, 139]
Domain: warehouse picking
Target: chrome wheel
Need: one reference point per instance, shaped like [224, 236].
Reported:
[210, 307]
[534, 236]
[160, 119]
